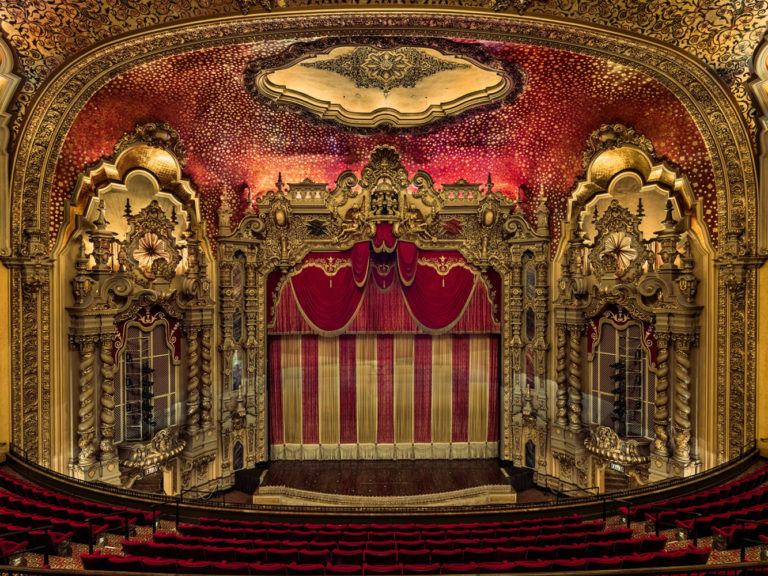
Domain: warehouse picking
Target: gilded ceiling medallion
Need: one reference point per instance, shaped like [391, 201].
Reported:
[384, 84]
[368, 67]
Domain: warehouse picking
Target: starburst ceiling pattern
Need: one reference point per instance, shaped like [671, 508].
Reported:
[722, 33]
[534, 143]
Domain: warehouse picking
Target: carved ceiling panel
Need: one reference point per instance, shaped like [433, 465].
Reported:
[722, 33]
[533, 142]
[387, 83]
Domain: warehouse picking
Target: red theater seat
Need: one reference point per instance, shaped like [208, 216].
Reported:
[159, 565]
[380, 545]
[195, 567]
[510, 554]
[380, 558]
[347, 557]
[413, 556]
[479, 555]
[314, 557]
[495, 567]
[574, 564]
[382, 568]
[242, 568]
[695, 556]
[296, 569]
[284, 556]
[533, 565]
[267, 569]
[219, 554]
[604, 563]
[458, 568]
[97, 562]
[447, 556]
[421, 568]
[126, 563]
[343, 569]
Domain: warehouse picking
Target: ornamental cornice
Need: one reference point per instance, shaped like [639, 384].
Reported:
[712, 107]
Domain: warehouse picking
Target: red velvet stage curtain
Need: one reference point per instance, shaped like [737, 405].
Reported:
[328, 303]
[384, 396]
[360, 257]
[407, 258]
[411, 291]
[438, 301]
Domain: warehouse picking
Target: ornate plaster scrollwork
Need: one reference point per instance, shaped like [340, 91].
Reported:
[661, 412]
[107, 417]
[605, 443]
[165, 445]
[611, 136]
[562, 377]
[193, 381]
[86, 426]
[682, 417]
[461, 217]
[206, 400]
[574, 378]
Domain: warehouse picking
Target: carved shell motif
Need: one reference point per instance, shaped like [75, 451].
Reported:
[150, 246]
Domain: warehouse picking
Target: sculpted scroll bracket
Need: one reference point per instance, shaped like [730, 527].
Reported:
[384, 205]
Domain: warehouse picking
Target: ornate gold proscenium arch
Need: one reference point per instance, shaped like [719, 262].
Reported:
[36, 348]
[487, 228]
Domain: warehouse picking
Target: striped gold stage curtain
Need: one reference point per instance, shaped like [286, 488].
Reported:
[383, 396]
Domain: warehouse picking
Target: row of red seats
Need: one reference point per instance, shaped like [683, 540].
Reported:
[22, 505]
[683, 557]
[556, 540]
[380, 535]
[733, 535]
[476, 553]
[704, 525]
[79, 530]
[38, 495]
[9, 548]
[733, 488]
[754, 497]
[58, 543]
[411, 527]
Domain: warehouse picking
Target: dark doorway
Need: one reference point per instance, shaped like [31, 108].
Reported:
[237, 456]
[530, 454]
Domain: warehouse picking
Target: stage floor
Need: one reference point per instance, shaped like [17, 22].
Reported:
[428, 482]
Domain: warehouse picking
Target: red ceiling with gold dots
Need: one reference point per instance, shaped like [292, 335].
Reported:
[535, 141]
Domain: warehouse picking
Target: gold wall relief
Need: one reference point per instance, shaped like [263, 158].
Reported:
[415, 211]
[107, 400]
[193, 380]
[86, 426]
[374, 82]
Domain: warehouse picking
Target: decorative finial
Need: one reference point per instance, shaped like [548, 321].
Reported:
[279, 183]
[669, 221]
[174, 217]
[248, 197]
[101, 222]
[128, 212]
[640, 209]
[489, 184]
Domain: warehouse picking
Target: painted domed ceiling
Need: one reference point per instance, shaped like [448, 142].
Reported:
[521, 113]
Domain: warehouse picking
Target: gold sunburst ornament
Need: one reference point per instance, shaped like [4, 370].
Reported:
[150, 249]
[619, 245]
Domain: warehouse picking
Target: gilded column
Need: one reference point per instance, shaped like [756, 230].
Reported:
[562, 377]
[574, 378]
[205, 389]
[682, 400]
[86, 427]
[193, 381]
[661, 411]
[107, 415]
